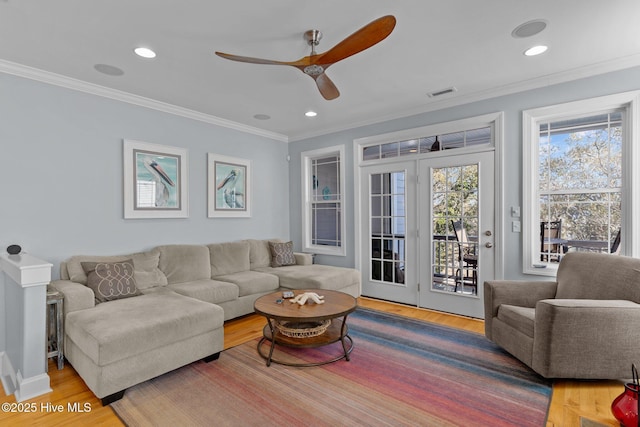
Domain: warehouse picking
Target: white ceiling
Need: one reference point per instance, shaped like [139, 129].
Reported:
[435, 45]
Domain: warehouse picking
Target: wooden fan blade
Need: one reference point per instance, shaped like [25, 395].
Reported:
[251, 60]
[364, 38]
[327, 89]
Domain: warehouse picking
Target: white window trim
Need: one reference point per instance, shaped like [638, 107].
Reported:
[306, 158]
[492, 119]
[630, 103]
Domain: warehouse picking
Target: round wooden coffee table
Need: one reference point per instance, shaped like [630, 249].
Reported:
[289, 323]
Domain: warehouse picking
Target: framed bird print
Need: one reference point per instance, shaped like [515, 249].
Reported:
[229, 186]
[155, 181]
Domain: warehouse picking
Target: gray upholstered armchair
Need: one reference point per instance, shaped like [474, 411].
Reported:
[586, 324]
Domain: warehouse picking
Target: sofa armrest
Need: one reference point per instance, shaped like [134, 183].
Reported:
[582, 338]
[513, 292]
[303, 259]
[76, 295]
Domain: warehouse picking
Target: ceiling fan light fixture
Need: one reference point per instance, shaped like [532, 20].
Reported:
[313, 70]
[144, 52]
[536, 50]
[310, 113]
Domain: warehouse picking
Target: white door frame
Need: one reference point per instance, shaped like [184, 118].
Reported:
[496, 120]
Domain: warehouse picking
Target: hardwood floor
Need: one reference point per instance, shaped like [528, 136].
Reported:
[571, 399]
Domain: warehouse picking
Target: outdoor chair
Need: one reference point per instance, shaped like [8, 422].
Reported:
[467, 258]
[551, 246]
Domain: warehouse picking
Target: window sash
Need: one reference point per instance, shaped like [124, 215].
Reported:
[624, 114]
[323, 209]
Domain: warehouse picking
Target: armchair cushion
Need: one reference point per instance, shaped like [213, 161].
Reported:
[608, 277]
[521, 318]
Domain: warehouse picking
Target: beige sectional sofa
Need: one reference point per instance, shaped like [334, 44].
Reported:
[184, 293]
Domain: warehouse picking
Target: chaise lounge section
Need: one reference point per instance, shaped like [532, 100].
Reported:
[175, 313]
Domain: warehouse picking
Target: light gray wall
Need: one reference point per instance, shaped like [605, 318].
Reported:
[61, 173]
[512, 105]
[3, 315]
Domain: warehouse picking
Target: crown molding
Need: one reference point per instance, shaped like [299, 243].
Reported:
[20, 70]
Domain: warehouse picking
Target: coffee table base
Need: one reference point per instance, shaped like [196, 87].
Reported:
[337, 332]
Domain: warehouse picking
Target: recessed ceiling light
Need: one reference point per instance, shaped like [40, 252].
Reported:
[261, 116]
[310, 114]
[536, 50]
[145, 52]
[109, 70]
[529, 29]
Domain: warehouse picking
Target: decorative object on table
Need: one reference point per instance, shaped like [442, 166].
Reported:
[303, 298]
[625, 407]
[229, 185]
[288, 294]
[14, 249]
[155, 181]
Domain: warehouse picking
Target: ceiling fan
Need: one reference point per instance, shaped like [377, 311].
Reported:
[316, 64]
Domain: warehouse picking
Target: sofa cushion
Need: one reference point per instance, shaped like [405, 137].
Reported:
[116, 330]
[281, 254]
[185, 263]
[146, 271]
[314, 276]
[111, 280]
[228, 258]
[251, 282]
[259, 253]
[584, 275]
[520, 318]
[211, 291]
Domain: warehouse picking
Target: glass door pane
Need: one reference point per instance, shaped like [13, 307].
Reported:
[455, 229]
[387, 225]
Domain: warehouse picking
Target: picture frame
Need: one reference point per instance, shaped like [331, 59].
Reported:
[228, 187]
[155, 180]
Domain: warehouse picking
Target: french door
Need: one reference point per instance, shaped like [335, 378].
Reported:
[427, 231]
[389, 246]
[457, 232]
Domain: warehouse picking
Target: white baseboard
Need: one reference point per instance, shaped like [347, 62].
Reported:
[21, 388]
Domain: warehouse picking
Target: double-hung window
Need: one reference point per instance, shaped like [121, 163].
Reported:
[323, 201]
[578, 188]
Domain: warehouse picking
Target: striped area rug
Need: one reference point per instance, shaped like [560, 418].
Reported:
[402, 372]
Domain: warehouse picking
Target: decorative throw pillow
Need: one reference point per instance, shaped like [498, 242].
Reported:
[111, 280]
[281, 254]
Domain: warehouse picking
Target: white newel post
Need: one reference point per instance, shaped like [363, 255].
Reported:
[23, 365]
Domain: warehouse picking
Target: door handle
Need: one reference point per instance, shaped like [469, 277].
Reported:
[488, 245]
